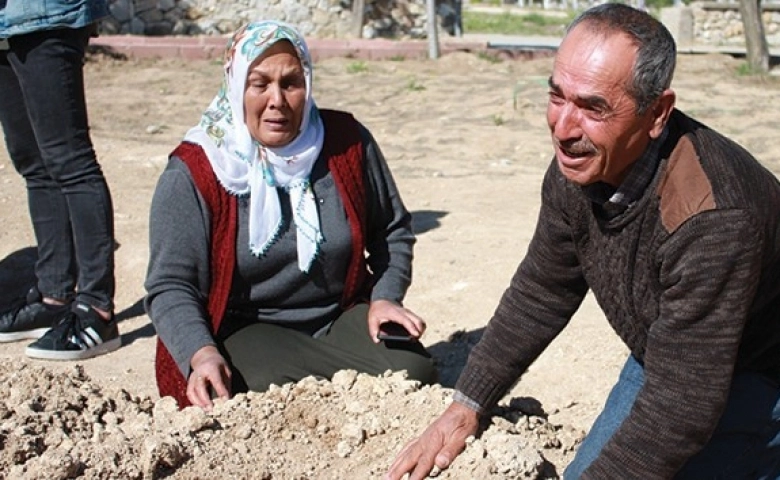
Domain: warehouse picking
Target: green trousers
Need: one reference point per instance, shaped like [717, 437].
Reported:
[262, 354]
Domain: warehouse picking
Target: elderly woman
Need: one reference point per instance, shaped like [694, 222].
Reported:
[279, 241]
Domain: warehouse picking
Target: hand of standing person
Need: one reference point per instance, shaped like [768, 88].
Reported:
[384, 311]
[210, 373]
[438, 445]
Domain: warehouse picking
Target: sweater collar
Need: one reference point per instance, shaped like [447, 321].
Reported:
[615, 201]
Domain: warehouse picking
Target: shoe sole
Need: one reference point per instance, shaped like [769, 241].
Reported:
[101, 349]
[24, 335]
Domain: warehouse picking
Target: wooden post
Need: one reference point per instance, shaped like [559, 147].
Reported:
[358, 12]
[755, 39]
[433, 29]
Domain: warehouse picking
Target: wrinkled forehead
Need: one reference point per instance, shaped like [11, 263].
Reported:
[601, 60]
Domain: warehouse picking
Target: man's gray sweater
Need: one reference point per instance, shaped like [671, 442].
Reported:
[688, 276]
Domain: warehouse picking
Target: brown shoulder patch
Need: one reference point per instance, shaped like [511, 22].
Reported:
[685, 189]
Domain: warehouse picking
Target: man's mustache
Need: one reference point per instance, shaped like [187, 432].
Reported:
[581, 146]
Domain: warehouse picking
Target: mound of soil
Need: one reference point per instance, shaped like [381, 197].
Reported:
[61, 424]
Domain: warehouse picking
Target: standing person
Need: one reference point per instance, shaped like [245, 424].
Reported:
[44, 117]
[280, 246]
[676, 231]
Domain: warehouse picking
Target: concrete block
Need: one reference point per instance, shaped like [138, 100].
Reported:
[679, 21]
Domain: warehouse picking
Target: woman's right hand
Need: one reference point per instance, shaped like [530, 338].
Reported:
[210, 373]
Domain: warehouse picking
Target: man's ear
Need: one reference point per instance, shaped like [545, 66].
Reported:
[662, 109]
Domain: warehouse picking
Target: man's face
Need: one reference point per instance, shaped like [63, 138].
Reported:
[596, 132]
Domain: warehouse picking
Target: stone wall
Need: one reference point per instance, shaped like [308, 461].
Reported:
[718, 23]
[702, 23]
[314, 18]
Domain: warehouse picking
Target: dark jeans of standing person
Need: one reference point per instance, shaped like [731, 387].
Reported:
[44, 117]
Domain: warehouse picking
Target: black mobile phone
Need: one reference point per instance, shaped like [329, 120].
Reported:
[394, 332]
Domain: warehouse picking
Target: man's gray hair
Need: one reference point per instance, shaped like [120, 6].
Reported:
[656, 50]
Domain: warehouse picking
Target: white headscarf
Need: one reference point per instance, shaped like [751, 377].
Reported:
[245, 167]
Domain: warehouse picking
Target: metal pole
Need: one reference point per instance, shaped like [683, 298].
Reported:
[433, 36]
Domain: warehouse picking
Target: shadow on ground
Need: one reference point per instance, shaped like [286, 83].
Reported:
[144, 331]
[17, 275]
[425, 220]
[450, 355]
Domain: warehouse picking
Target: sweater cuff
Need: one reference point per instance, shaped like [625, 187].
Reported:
[183, 355]
[480, 387]
[459, 397]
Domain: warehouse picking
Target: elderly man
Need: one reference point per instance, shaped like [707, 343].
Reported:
[676, 230]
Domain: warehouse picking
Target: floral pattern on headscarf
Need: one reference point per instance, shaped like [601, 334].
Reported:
[246, 167]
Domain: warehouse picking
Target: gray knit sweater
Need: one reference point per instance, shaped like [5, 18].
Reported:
[271, 288]
[688, 276]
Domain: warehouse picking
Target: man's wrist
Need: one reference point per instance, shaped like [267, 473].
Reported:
[464, 400]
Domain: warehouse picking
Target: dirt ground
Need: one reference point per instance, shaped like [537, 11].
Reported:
[466, 140]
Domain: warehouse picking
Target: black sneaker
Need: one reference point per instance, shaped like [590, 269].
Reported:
[81, 333]
[30, 318]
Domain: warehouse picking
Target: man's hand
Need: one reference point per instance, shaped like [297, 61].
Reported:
[439, 444]
[210, 372]
[384, 311]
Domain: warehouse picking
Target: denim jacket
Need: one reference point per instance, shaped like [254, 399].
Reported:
[18, 17]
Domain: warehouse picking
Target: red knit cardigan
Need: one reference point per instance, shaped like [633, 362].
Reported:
[343, 147]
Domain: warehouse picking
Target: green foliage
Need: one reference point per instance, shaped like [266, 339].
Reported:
[414, 86]
[498, 120]
[659, 4]
[745, 70]
[358, 66]
[537, 19]
[488, 57]
[516, 24]
[515, 93]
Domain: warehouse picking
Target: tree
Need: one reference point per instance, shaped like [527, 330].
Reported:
[358, 17]
[755, 38]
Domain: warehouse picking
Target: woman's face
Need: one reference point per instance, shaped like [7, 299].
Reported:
[275, 96]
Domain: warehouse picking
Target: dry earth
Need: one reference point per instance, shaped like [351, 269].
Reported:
[466, 139]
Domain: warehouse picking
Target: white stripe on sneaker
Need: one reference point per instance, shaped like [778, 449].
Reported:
[101, 349]
[86, 339]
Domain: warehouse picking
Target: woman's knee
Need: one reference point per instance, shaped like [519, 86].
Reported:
[424, 371]
[415, 360]
[261, 355]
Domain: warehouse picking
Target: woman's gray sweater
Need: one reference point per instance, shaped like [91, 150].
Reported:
[270, 288]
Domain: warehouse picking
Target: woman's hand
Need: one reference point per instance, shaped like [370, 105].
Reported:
[210, 373]
[384, 311]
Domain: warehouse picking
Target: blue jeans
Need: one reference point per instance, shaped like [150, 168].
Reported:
[745, 445]
[44, 117]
